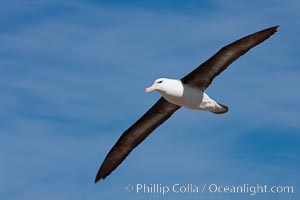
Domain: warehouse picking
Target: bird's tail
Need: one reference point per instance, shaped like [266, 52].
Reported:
[220, 109]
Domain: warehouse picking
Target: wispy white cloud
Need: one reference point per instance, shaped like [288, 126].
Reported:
[71, 83]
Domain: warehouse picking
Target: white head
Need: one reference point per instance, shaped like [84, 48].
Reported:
[159, 85]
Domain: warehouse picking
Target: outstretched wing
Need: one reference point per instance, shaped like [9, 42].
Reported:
[203, 75]
[133, 136]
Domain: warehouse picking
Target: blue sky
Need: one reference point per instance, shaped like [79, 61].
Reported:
[72, 80]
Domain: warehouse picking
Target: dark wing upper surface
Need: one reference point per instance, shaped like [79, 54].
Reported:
[133, 136]
[203, 75]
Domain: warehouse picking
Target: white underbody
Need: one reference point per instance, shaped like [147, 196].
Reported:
[186, 96]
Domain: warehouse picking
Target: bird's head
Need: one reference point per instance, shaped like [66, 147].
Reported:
[159, 85]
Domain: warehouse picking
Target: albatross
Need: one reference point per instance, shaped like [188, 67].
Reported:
[188, 92]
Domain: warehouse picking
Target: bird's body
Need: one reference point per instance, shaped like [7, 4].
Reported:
[187, 92]
[184, 95]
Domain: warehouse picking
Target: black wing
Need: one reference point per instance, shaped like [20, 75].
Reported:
[133, 136]
[203, 75]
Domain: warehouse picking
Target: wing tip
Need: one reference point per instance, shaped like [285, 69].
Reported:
[105, 169]
[103, 172]
[96, 180]
[269, 31]
[276, 28]
[99, 176]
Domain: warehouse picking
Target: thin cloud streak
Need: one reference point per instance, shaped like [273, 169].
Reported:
[63, 107]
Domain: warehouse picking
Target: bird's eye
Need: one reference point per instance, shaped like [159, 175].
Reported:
[159, 81]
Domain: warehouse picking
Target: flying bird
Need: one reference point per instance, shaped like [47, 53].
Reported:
[188, 92]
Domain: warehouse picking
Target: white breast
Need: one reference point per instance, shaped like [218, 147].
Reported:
[186, 96]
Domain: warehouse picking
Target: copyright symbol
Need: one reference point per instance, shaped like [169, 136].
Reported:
[128, 188]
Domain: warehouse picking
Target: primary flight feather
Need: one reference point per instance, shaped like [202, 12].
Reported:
[187, 92]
